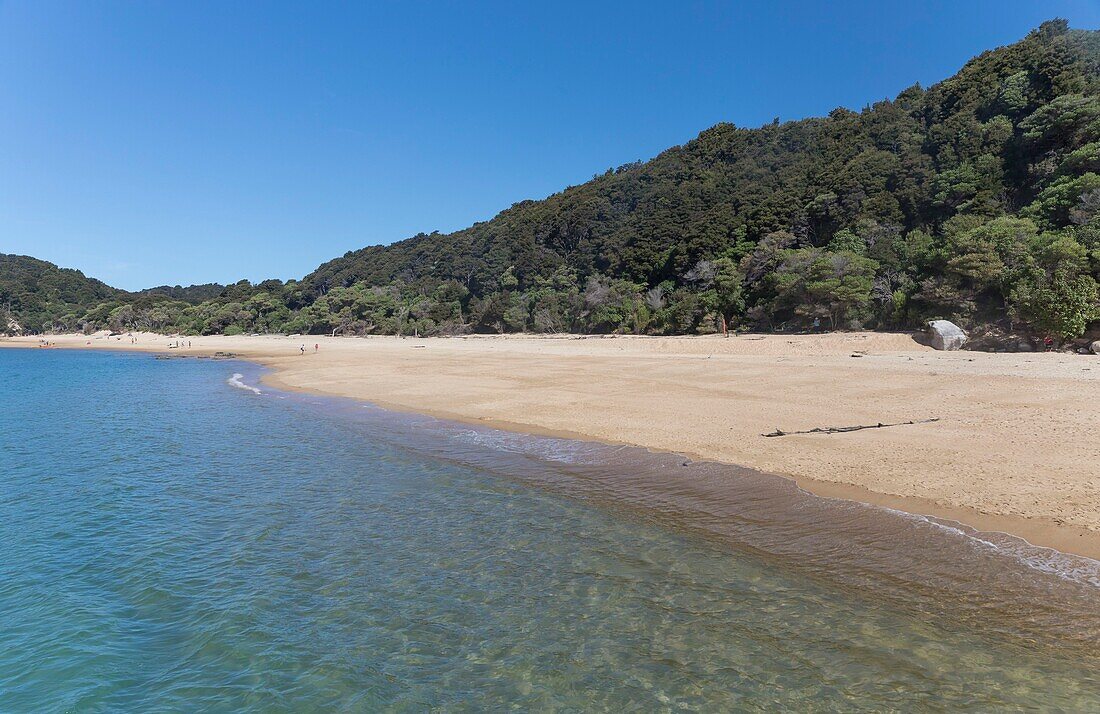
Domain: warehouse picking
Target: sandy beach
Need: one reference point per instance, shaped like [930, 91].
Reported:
[1015, 447]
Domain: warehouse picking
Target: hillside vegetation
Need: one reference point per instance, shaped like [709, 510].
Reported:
[38, 296]
[976, 200]
[35, 294]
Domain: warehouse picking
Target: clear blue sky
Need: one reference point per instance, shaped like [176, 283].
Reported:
[188, 142]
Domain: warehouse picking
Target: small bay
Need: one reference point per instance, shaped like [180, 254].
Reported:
[169, 542]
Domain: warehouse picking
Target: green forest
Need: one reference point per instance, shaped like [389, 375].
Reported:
[976, 200]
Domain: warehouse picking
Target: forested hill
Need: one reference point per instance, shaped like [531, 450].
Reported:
[191, 293]
[34, 293]
[976, 199]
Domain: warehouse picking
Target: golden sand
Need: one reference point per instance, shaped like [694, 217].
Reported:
[1016, 447]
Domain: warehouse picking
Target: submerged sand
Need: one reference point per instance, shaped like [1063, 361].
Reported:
[1016, 446]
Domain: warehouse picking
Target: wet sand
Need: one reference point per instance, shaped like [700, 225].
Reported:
[1015, 447]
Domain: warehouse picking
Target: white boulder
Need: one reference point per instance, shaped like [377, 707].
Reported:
[946, 335]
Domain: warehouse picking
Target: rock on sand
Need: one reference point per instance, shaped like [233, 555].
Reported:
[946, 335]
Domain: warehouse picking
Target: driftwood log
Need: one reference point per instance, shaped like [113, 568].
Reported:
[843, 429]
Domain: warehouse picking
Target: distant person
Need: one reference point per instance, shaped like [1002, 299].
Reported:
[316, 347]
[302, 349]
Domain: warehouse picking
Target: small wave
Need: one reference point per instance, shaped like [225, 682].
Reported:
[1075, 568]
[566, 451]
[235, 381]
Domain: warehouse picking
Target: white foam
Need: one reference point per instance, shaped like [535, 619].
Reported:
[235, 381]
[1076, 568]
[566, 451]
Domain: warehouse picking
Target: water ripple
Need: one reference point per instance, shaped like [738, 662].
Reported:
[170, 543]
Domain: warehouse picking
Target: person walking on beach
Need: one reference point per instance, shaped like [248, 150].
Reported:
[302, 349]
[316, 347]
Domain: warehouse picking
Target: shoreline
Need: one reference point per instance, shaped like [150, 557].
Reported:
[289, 371]
[1036, 532]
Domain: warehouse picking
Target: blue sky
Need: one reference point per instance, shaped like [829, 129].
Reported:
[153, 142]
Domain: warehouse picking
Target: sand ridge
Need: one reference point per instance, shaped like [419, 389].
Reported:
[1016, 447]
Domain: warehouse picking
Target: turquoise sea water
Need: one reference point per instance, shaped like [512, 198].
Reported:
[171, 542]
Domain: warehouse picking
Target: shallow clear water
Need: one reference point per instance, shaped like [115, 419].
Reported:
[171, 542]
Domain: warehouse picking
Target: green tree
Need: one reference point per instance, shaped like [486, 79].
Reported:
[1063, 306]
